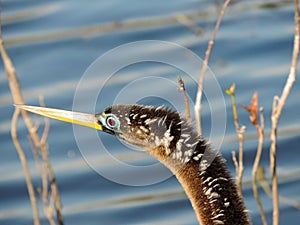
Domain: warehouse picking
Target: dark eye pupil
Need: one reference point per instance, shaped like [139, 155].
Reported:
[111, 122]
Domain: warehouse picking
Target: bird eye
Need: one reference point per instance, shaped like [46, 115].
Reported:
[112, 122]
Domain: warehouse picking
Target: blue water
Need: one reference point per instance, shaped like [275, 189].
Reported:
[52, 43]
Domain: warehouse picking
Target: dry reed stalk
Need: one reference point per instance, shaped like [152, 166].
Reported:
[205, 66]
[186, 100]
[22, 156]
[239, 164]
[278, 104]
[18, 99]
[260, 136]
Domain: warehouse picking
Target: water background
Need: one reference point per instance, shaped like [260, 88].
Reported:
[52, 43]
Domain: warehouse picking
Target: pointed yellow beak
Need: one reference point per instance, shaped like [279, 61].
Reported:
[84, 119]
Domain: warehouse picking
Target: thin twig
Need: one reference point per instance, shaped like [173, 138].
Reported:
[252, 109]
[44, 190]
[205, 66]
[43, 172]
[240, 133]
[276, 112]
[235, 162]
[231, 91]
[260, 136]
[273, 149]
[18, 99]
[47, 124]
[30, 188]
[41, 169]
[186, 100]
[9, 68]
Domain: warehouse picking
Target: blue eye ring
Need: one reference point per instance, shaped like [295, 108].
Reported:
[111, 121]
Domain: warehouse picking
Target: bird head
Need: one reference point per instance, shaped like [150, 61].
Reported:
[141, 126]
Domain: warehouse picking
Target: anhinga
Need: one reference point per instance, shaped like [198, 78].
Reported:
[172, 140]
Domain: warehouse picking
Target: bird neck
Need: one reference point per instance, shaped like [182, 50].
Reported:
[210, 188]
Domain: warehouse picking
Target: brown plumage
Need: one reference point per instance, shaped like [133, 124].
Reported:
[201, 171]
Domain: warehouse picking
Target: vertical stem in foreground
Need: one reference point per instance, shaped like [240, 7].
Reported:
[205, 66]
[239, 165]
[10, 69]
[30, 188]
[278, 105]
[260, 135]
[273, 149]
[186, 100]
[18, 99]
